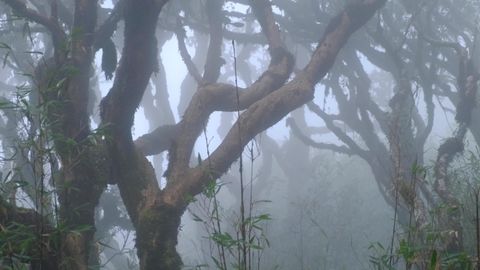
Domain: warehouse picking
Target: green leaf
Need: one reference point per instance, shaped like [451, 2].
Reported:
[217, 263]
[105, 245]
[196, 218]
[433, 260]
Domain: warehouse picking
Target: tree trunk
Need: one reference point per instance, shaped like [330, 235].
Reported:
[157, 238]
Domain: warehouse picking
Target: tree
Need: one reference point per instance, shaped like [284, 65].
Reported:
[426, 62]
[89, 159]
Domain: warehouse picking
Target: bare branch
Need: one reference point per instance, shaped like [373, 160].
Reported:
[210, 98]
[264, 14]
[158, 140]
[340, 28]
[355, 148]
[269, 110]
[21, 8]
[222, 97]
[214, 61]
[444, 44]
[187, 59]
[308, 141]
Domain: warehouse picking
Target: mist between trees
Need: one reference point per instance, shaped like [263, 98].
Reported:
[261, 134]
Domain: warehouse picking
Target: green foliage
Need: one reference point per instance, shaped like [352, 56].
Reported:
[16, 241]
[226, 235]
[227, 239]
[429, 248]
[8, 51]
[31, 174]
[380, 259]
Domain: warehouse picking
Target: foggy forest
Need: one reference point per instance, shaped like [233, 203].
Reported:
[239, 134]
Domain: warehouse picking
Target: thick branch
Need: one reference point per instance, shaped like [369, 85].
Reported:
[263, 11]
[214, 61]
[108, 27]
[158, 140]
[139, 61]
[269, 110]
[222, 97]
[339, 29]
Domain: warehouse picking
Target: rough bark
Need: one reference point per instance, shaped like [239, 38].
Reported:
[130, 170]
[451, 220]
[266, 102]
[66, 95]
[155, 213]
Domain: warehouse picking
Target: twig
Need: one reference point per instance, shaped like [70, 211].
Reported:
[187, 59]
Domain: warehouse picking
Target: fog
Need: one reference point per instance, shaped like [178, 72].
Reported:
[266, 134]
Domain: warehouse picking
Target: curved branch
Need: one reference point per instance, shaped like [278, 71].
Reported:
[308, 141]
[263, 12]
[337, 131]
[187, 59]
[218, 97]
[214, 61]
[158, 140]
[21, 8]
[271, 109]
[340, 28]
